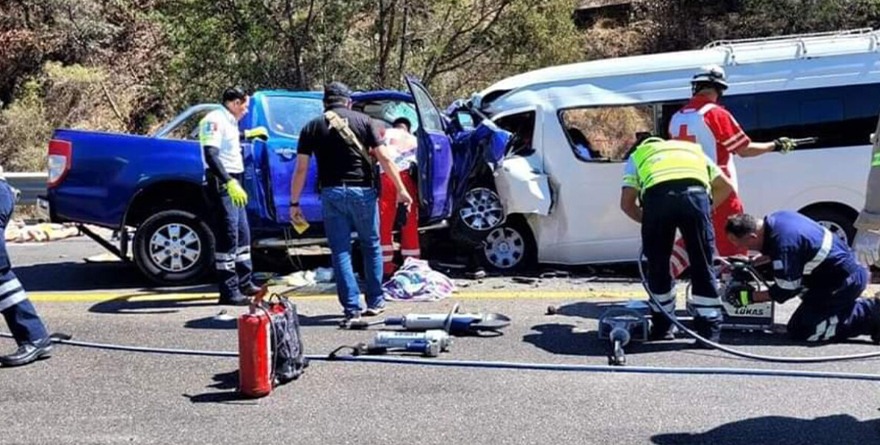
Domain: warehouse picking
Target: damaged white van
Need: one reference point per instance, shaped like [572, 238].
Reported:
[559, 186]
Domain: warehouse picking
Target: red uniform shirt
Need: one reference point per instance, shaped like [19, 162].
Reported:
[714, 128]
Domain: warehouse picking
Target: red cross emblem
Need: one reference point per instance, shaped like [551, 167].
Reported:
[683, 134]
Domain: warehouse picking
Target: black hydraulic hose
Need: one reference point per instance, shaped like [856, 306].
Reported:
[66, 340]
[759, 357]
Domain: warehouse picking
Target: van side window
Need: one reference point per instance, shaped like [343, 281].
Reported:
[605, 133]
[522, 125]
[839, 116]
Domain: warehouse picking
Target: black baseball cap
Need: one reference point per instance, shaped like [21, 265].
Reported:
[233, 93]
[336, 90]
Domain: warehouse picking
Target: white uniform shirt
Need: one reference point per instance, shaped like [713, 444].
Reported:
[714, 128]
[402, 147]
[219, 128]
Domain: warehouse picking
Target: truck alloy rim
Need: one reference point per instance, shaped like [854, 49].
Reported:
[504, 247]
[175, 248]
[482, 209]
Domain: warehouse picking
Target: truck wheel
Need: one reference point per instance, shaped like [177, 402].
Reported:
[174, 247]
[479, 212]
[511, 246]
[481, 209]
[838, 221]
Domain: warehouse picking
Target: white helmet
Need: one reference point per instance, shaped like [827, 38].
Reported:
[712, 74]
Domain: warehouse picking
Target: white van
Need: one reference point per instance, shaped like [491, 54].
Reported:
[560, 187]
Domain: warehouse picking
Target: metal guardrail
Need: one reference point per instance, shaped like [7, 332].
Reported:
[30, 184]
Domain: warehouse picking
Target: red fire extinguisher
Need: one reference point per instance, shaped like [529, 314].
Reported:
[255, 351]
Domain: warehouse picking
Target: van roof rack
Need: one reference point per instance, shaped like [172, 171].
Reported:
[799, 41]
[791, 37]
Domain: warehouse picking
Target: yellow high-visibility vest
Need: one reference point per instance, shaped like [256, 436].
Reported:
[657, 161]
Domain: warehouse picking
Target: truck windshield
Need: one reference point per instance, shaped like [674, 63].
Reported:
[287, 115]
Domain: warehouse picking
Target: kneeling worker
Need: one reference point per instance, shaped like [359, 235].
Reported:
[673, 179]
[811, 263]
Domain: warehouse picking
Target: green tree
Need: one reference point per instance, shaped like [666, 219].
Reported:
[680, 24]
[370, 44]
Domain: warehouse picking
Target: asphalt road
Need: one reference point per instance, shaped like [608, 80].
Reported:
[84, 395]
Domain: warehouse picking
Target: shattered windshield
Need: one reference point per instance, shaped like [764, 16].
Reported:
[389, 110]
[287, 115]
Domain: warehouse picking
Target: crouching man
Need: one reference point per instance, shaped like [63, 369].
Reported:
[811, 263]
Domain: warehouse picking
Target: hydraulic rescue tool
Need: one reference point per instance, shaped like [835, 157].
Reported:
[621, 325]
[426, 334]
[737, 283]
[429, 343]
[738, 280]
[453, 322]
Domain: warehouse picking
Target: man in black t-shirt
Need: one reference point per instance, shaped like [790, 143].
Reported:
[347, 179]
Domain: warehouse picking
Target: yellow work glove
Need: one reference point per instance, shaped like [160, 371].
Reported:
[238, 195]
[257, 133]
[783, 144]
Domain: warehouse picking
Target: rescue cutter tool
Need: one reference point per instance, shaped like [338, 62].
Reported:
[453, 322]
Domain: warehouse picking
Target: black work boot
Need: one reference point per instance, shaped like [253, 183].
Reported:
[875, 321]
[250, 289]
[661, 328]
[28, 353]
[708, 328]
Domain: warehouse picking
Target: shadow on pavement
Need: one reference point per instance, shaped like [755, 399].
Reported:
[223, 320]
[586, 309]
[566, 340]
[230, 320]
[837, 429]
[130, 304]
[228, 383]
[78, 276]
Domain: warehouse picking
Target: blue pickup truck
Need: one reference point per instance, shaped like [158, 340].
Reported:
[153, 185]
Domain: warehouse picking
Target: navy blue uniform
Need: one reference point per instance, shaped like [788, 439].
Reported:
[810, 262]
[233, 240]
[20, 314]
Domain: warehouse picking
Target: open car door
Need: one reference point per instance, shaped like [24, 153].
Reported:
[275, 160]
[434, 154]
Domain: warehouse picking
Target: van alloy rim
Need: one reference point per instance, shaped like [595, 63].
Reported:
[836, 230]
[482, 209]
[504, 248]
[175, 248]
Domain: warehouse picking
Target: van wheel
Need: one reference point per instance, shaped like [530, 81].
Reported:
[511, 246]
[839, 221]
[174, 247]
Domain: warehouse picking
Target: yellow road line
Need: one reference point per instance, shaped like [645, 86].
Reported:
[95, 297]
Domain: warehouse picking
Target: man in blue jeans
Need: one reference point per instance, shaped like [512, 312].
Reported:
[346, 145]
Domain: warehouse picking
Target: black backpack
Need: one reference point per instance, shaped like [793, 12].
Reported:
[288, 358]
